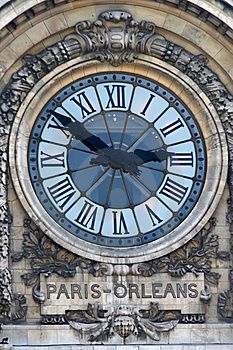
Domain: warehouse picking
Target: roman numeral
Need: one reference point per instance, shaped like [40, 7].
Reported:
[119, 224]
[116, 96]
[182, 159]
[84, 104]
[174, 190]
[153, 216]
[62, 192]
[52, 160]
[56, 125]
[172, 127]
[87, 216]
[147, 104]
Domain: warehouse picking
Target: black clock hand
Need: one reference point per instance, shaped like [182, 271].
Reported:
[115, 158]
[77, 130]
[151, 156]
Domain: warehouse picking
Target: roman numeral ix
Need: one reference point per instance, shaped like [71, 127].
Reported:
[52, 160]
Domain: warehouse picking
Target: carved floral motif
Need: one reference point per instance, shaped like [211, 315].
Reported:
[193, 257]
[46, 257]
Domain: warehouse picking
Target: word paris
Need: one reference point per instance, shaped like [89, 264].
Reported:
[77, 292]
[117, 160]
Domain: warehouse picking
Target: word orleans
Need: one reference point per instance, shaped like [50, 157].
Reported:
[120, 290]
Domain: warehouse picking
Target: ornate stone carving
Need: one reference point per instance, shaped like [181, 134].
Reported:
[53, 319]
[5, 292]
[116, 37]
[4, 344]
[46, 256]
[98, 41]
[206, 295]
[18, 307]
[192, 318]
[225, 305]
[124, 320]
[194, 257]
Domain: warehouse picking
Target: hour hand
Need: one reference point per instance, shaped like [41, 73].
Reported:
[79, 132]
[151, 156]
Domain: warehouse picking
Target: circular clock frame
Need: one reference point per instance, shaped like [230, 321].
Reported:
[207, 120]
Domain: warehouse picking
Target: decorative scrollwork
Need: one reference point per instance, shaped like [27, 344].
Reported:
[124, 320]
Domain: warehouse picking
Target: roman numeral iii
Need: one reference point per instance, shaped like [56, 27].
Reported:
[182, 159]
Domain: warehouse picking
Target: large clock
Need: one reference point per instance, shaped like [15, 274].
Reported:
[117, 165]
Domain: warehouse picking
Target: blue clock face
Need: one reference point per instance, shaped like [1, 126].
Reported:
[117, 160]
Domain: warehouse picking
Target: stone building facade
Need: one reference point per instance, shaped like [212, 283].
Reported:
[170, 286]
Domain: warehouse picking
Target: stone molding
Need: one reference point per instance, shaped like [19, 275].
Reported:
[146, 41]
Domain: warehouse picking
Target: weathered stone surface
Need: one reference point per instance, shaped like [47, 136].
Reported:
[217, 334]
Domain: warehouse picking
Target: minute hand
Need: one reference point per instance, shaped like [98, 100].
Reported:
[77, 130]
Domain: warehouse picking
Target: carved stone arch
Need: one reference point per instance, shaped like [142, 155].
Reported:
[95, 40]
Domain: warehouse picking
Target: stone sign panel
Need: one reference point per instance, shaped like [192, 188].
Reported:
[75, 293]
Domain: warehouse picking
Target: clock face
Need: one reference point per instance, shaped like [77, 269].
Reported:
[117, 160]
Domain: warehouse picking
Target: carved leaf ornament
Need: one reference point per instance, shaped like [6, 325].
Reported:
[115, 37]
